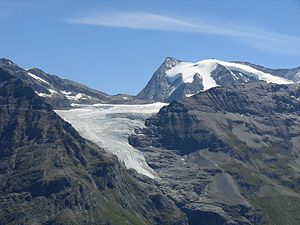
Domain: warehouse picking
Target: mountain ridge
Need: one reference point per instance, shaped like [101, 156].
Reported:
[173, 80]
[63, 93]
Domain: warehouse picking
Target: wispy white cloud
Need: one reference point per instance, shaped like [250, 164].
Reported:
[255, 36]
[134, 20]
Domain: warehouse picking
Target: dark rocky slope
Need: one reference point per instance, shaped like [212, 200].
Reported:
[49, 174]
[229, 155]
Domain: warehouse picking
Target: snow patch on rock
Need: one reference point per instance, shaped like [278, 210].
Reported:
[37, 78]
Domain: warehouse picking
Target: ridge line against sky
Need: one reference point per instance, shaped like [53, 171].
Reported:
[142, 20]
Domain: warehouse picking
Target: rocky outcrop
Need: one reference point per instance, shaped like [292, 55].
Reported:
[49, 174]
[159, 88]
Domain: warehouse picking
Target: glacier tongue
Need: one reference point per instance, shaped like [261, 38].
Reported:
[109, 126]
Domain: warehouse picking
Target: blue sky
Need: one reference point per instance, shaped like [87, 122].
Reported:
[115, 46]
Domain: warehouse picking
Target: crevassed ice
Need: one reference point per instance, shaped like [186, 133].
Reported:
[109, 126]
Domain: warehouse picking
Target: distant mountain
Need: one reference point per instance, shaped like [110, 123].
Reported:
[62, 93]
[49, 174]
[175, 79]
[229, 155]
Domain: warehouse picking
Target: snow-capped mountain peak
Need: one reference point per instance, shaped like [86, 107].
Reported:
[176, 78]
[205, 68]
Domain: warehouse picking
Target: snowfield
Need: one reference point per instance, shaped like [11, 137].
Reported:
[109, 126]
[204, 68]
[187, 70]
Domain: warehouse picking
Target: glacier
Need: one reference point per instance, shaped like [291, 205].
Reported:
[110, 125]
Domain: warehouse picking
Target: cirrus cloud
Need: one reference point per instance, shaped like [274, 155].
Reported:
[252, 35]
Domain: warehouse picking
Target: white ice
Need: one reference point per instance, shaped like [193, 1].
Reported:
[109, 126]
[188, 70]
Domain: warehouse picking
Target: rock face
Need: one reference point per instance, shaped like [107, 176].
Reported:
[159, 88]
[175, 79]
[62, 93]
[49, 174]
[229, 155]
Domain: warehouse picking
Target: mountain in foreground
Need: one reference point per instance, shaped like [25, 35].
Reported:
[229, 155]
[51, 175]
[175, 79]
